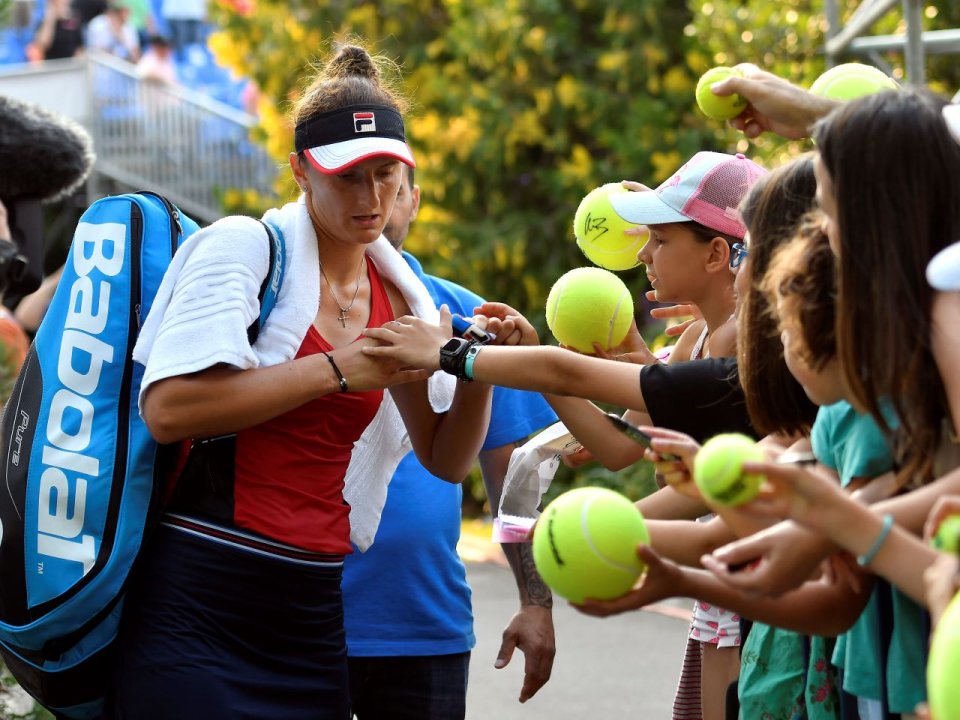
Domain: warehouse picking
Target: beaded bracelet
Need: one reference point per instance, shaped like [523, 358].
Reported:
[340, 377]
[870, 555]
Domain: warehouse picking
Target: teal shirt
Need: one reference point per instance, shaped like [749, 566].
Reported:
[854, 446]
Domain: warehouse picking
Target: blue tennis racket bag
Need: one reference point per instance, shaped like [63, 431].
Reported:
[83, 477]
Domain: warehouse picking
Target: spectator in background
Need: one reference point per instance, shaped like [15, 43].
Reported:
[112, 32]
[157, 63]
[185, 19]
[141, 17]
[60, 34]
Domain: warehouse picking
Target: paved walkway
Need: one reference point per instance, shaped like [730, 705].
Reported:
[623, 667]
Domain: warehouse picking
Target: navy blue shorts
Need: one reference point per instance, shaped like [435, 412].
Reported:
[213, 630]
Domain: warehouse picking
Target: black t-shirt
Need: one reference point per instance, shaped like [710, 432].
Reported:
[701, 398]
[67, 39]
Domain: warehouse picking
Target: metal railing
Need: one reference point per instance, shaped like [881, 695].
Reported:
[172, 140]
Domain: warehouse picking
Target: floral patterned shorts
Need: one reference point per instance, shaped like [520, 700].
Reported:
[714, 625]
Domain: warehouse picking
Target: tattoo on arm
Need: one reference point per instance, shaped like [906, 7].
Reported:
[533, 591]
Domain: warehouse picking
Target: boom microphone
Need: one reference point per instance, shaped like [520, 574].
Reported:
[43, 155]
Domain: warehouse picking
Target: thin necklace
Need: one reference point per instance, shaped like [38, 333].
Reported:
[344, 311]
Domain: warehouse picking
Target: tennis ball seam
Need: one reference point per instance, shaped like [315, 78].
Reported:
[611, 326]
[588, 537]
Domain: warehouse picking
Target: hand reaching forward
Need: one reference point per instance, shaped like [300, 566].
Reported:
[411, 341]
[661, 580]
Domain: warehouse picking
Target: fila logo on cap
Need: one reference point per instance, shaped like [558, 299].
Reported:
[364, 122]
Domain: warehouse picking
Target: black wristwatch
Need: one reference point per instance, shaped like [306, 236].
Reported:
[453, 355]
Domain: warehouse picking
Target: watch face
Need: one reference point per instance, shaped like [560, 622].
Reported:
[452, 345]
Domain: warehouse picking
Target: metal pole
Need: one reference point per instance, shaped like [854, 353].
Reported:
[833, 27]
[858, 25]
[913, 52]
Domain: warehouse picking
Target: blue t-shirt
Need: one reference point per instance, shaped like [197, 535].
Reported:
[408, 593]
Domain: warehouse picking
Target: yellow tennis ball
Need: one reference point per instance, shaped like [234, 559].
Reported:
[599, 231]
[718, 469]
[589, 305]
[852, 80]
[716, 106]
[585, 544]
[943, 665]
[947, 537]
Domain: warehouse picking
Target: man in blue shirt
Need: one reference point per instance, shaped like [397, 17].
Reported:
[407, 606]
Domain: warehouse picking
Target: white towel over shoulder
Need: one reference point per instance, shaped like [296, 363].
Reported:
[208, 299]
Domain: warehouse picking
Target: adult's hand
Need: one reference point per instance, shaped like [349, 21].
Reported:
[410, 340]
[773, 104]
[530, 630]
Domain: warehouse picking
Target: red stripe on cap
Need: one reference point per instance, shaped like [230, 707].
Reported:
[362, 115]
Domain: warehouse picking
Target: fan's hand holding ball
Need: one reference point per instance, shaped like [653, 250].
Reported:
[600, 231]
[718, 469]
[719, 107]
[585, 544]
[589, 305]
[947, 537]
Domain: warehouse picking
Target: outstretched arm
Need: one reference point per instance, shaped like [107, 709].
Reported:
[817, 608]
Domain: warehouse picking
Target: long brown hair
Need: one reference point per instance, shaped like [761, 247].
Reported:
[772, 212]
[895, 171]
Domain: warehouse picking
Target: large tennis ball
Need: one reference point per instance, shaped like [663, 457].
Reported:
[585, 544]
[943, 665]
[589, 305]
[947, 537]
[716, 106]
[599, 231]
[852, 80]
[718, 469]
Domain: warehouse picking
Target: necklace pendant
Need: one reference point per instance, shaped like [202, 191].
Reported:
[343, 318]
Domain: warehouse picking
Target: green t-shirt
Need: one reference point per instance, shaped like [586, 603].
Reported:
[854, 446]
[773, 683]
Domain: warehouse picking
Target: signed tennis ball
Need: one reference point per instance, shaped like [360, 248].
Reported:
[718, 469]
[585, 544]
[943, 665]
[716, 106]
[947, 538]
[599, 231]
[589, 305]
[852, 80]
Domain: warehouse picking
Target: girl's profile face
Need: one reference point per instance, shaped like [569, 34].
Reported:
[827, 202]
[675, 261]
[352, 206]
[824, 386]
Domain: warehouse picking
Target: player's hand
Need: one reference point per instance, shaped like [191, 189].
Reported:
[676, 471]
[410, 340]
[577, 458]
[530, 630]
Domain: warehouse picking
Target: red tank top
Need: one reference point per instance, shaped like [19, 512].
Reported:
[288, 477]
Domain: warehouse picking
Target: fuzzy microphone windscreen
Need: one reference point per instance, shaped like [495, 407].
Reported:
[43, 155]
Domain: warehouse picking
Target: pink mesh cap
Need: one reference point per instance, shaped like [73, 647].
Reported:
[707, 189]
